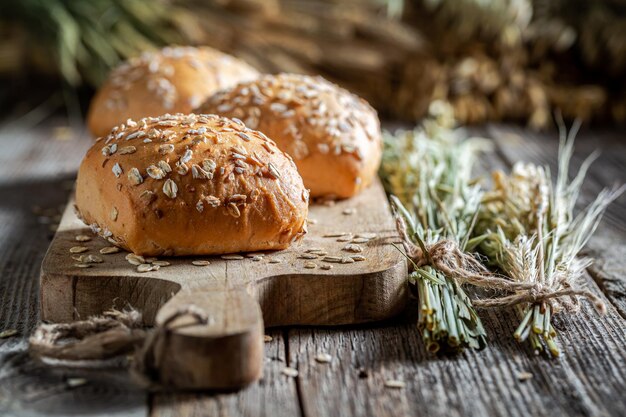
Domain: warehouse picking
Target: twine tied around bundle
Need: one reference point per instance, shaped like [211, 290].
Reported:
[111, 335]
[445, 256]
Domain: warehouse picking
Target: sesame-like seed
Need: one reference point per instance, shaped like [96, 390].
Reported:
[78, 249]
[243, 136]
[170, 188]
[358, 258]
[273, 171]
[109, 250]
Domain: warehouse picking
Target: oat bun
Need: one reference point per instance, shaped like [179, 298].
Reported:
[333, 135]
[172, 80]
[191, 185]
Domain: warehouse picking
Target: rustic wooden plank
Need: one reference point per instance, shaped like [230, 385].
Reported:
[35, 170]
[273, 396]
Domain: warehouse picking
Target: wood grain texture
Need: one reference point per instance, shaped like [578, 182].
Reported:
[36, 170]
[227, 350]
[588, 381]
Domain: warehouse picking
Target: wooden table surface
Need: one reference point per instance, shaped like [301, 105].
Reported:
[37, 166]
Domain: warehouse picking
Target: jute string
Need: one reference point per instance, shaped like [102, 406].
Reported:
[445, 256]
[113, 334]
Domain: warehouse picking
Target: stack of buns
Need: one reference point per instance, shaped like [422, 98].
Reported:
[232, 169]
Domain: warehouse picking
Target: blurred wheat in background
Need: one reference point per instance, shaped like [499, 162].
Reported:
[490, 59]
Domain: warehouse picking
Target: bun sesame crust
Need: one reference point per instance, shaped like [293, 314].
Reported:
[333, 135]
[172, 80]
[191, 185]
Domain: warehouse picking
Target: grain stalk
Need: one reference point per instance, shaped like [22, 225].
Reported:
[427, 172]
[527, 228]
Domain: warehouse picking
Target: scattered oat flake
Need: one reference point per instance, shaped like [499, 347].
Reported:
[394, 383]
[365, 235]
[75, 382]
[358, 258]
[323, 358]
[308, 256]
[311, 221]
[233, 257]
[290, 372]
[360, 240]
[310, 265]
[335, 259]
[267, 338]
[147, 267]
[82, 238]
[336, 234]
[109, 250]
[349, 211]
[78, 249]
[161, 263]
[135, 259]
[347, 260]
[201, 263]
[346, 238]
[8, 333]
[326, 267]
[80, 265]
[275, 261]
[353, 248]
[524, 376]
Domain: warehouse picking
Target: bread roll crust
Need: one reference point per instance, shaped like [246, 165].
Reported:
[172, 80]
[333, 135]
[191, 185]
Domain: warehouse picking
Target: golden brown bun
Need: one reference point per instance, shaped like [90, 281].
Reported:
[255, 199]
[172, 80]
[333, 135]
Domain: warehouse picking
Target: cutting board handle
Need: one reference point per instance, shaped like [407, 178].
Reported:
[225, 351]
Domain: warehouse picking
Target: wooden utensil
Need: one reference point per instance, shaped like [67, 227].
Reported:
[241, 296]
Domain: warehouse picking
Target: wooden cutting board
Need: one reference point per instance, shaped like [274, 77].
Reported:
[239, 296]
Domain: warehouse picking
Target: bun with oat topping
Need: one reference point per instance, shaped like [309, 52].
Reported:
[333, 135]
[172, 80]
[191, 185]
